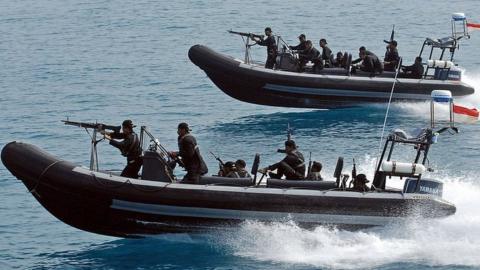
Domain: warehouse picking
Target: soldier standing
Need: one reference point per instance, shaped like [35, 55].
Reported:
[129, 146]
[190, 153]
[268, 41]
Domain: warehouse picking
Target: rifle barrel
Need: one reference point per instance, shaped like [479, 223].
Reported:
[245, 34]
[98, 126]
[80, 124]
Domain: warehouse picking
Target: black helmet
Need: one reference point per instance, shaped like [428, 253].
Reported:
[128, 123]
[362, 178]
[240, 163]
[184, 125]
[229, 164]
[290, 143]
[317, 166]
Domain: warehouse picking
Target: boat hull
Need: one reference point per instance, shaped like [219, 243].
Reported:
[112, 205]
[263, 86]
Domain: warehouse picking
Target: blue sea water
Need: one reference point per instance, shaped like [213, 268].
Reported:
[111, 60]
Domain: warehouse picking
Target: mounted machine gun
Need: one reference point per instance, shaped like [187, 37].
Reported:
[97, 127]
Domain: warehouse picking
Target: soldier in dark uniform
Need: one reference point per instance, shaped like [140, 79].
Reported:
[414, 71]
[268, 41]
[309, 54]
[326, 54]
[230, 170]
[242, 172]
[340, 61]
[359, 183]
[191, 158]
[371, 64]
[292, 166]
[315, 172]
[302, 45]
[360, 51]
[391, 56]
[129, 146]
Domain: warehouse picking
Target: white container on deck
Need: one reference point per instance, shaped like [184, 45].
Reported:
[394, 167]
[440, 64]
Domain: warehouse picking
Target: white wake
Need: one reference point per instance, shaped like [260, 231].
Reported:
[453, 240]
[450, 241]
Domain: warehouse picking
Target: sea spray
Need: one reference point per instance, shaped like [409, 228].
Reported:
[450, 241]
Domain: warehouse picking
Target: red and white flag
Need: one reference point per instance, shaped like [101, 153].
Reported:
[473, 26]
[463, 114]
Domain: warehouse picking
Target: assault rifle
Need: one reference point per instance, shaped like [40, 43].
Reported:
[392, 35]
[354, 170]
[244, 34]
[221, 164]
[96, 126]
[289, 137]
[309, 170]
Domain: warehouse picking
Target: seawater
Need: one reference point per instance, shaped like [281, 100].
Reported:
[111, 60]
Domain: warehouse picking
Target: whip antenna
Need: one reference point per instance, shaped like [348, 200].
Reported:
[388, 106]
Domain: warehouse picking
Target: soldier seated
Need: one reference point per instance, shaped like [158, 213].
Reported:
[241, 171]
[229, 170]
[371, 64]
[315, 172]
[292, 166]
[414, 71]
[359, 183]
[391, 56]
[309, 54]
[340, 61]
[326, 54]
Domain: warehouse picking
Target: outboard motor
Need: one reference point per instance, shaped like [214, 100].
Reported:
[427, 186]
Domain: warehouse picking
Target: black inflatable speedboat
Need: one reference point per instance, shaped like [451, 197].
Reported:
[105, 203]
[255, 84]
[284, 86]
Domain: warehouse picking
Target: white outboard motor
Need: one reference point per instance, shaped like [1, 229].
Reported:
[427, 186]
